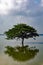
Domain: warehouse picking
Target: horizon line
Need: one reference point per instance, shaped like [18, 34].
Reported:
[39, 34]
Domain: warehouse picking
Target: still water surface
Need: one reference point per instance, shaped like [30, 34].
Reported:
[6, 60]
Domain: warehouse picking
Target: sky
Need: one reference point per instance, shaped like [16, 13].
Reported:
[21, 11]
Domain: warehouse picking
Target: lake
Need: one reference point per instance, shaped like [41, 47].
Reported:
[7, 60]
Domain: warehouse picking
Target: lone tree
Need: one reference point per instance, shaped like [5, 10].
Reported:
[21, 31]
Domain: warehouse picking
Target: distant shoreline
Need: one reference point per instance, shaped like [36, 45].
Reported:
[34, 42]
[4, 34]
[40, 34]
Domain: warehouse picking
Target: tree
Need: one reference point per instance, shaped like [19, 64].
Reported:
[21, 31]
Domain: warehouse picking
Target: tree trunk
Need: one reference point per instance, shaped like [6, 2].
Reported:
[22, 42]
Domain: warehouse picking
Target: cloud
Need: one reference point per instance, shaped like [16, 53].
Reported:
[21, 11]
[7, 5]
[42, 3]
[26, 8]
[21, 7]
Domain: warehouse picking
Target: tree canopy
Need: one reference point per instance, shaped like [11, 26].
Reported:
[21, 31]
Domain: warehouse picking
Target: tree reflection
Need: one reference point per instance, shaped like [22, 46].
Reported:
[21, 53]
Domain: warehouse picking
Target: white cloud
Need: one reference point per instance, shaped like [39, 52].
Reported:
[19, 5]
[42, 3]
[7, 5]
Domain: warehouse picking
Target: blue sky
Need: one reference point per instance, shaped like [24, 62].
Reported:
[21, 11]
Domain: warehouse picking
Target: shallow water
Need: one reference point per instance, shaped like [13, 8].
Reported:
[6, 60]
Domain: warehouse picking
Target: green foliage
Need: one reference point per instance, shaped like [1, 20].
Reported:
[21, 53]
[21, 31]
